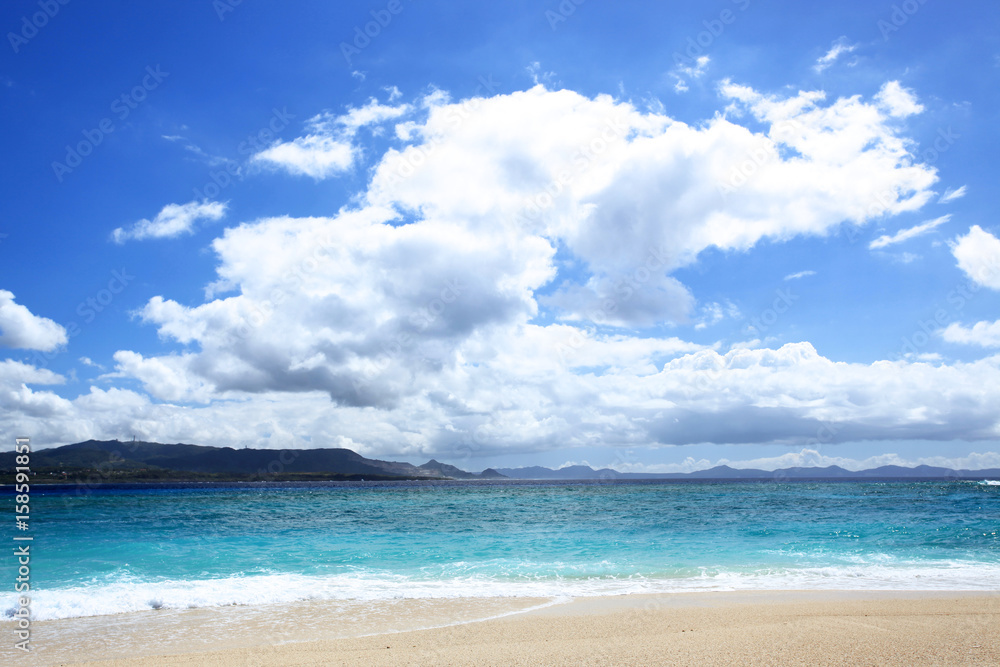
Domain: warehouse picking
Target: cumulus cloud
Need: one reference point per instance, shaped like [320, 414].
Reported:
[14, 373]
[166, 378]
[353, 306]
[978, 255]
[19, 328]
[909, 233]
[984, 334]
[327, 150]
[172, 221]
[612, 183]
[898, 101]
[504, 282]
[839, 47]
[373, 303]
[19, 404]
[807, 135]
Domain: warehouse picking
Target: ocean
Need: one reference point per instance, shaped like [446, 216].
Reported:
[108, 550]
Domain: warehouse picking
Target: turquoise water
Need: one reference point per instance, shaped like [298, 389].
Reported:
[111, 550]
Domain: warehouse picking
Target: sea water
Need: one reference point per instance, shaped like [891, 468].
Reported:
[113, 549]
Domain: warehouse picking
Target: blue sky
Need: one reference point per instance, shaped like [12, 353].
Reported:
[653, 236]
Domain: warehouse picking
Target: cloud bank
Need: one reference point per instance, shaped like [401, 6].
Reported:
[505, 281]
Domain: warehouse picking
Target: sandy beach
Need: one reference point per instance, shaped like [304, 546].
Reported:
[738, 628]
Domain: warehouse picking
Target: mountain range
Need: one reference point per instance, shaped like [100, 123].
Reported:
[115, 460]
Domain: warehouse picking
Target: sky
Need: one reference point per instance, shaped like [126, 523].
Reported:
[652, 236]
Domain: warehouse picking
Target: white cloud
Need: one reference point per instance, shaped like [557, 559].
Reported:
[951, 195]
[813, 398]
[87, 361]
[19, 403]
[372, 113]
[416, 309]
[19, 328]
[653, 177]
[174, 220]
[978, 255]
[518, 395]
[323, 301]
[839, 48]
[814, 458]
[538, 76]
[694, 70]
[166, 378]
[382, 309]
[13, 373]
[984, 334]
[327, 150]
[826, 139]
[713, 313]
[898, 101]
[800, 274]
[210, 160]
[313, 155]
[909, 233]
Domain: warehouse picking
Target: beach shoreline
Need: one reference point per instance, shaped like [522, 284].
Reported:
[731, 627]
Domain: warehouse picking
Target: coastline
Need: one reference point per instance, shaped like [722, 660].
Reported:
[744, 627]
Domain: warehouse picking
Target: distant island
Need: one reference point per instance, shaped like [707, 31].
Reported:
[100, 461]
[114, 461]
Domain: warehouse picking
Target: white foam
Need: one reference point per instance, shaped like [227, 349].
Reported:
[101, 598]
